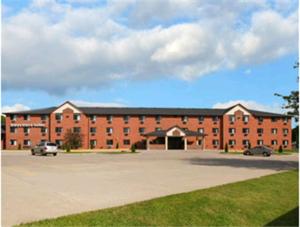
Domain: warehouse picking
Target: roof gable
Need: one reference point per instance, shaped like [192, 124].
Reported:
[237, 107]
[65, 106]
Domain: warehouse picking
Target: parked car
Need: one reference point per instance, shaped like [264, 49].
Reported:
[45, 148]
[259, 150]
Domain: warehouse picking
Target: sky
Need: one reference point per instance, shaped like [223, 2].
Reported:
[148, 53]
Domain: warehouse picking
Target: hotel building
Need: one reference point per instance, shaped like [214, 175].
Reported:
[149, 128]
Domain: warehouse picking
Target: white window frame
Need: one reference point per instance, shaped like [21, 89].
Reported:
[231, 118]
[274, 131]
[26, 130]
[60, 116]
[276, 142]
[215, 130]
[201, 130]
[285, 131]
[14, 131]
[260, 142]
[126, 130]
[200, 118]
[247, 130]
[216, 142]
[232, 131]
[144, 129]
[246, 117]
[285, 142]
[93, 128]
[109, 118]
[109, 130]
[13, 142]
[93, 117]
[46, 130]
[233, 142]
[29, 143]
[142, 118]
[13, 117]
[27, 117]
[76, 117]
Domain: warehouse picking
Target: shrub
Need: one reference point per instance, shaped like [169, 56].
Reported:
[249, 145]
[133, 148]
[19, 146]
[280, 149]
[226, 148]
[72, 140]
[117, 146]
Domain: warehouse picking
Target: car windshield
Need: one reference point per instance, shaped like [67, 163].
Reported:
[51, 144]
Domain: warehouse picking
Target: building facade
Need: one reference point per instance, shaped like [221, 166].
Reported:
[149, 128]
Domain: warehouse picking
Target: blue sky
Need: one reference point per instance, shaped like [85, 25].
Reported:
[148, 53]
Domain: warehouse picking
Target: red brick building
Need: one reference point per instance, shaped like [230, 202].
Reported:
[149, 128]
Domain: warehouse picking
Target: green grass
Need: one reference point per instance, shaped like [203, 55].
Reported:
[270, 200]
[231, 152]
[122, 152]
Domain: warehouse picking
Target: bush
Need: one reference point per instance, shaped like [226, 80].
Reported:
[19, 146]
[280, 149]
[226, 148]
[72, 140]
[249, 145]
[117, 146]
[133, 148]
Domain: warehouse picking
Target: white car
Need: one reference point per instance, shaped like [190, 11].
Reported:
[45, 148]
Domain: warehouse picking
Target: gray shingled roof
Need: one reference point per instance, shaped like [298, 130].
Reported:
[149, 111]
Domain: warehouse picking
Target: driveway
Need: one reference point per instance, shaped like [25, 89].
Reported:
[38, 187]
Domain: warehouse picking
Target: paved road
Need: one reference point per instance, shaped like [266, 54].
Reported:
[37, 187]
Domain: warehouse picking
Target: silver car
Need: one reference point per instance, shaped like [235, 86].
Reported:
[45, 148]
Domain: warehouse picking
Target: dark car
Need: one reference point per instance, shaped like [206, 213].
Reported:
[259, 150]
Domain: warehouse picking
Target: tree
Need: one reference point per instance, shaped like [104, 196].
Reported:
[291, 100]
[72, 140]
[133, 148]
[280, 149]
[295, 136]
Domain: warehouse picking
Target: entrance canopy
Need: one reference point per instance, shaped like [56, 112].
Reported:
[173, 132]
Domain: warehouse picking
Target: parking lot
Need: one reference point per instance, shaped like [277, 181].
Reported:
[38, 187]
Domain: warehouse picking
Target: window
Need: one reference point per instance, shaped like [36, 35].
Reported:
[93, 117]
[13, 142]
[93, 143]
[285, 119]
[184, 119]
[76, 117]
[126, 118]
[26, 130]
[215, 130]
[26, 142]
[285, 131]
[215, 142]
[126, 130]
[58, 142]
[260, 119]
[215, 118]
[246, 130]
[142, 118]
[273, 119]
[43, 130]
[92, 130]
[246, 142]
[13, 129]
[285, 142]
[158, 118]
[126, 142]
[274, 131]
[231, 118]
[246, 119]
[274, 142]
[58, 117]
[260, 142]
[201, 118]
[43, 141]
[58, 129]
[141, 130]
[109, 130]
[13, 117]
[109, 118]
[201, 130]
[231, 142]
[260, 131]
[44, 117]
[157, 129]
[231, 130]
[109, 142]
[77, 129]
[26, 117]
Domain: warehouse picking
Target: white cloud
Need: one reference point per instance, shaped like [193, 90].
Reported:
[58, 47]
[97, 104]
[275, 108]
[13, 108]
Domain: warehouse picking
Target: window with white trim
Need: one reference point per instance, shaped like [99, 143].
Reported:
[260, 130]
[142, 118]
[126, 118]
[231, 130]
[77, 129]
[285, 119]
[274, 142]
[141, 130]
[245, 118]
[215, 142]
[201, 130]
[93, 143]
[109, 130]
[285, 142]
[246, 130]
[285, 131]
[215, 130]
[126, 142]
[246, 142]
[231, 118]
[126, 130]
[157, 129]
[58, 142]
[13, 117]
[260, 142]
[58, 129]
[44, 117]
[215, 118]
[44, 130]
[26, 117]
[13, 142]
[13, 129]
[231, 142]
[76, 117]
[274, 131]
[58, 116]
[26, 142]
[109, 142]
[184, 119]
[93, 130]
[157, 119]
[109, 118]
[26, 130]
[93, 117]
[201, 118]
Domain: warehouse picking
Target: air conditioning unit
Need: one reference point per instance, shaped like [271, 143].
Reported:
[43, 122]
[246, 134]
[215, 134]
[93, 134]
[260, 134]
[76, 121]
[44, 134]
[58, 121]
[231, 134]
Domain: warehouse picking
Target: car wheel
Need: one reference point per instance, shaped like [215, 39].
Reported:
[32, 153]
[54, 154]
[265, 154]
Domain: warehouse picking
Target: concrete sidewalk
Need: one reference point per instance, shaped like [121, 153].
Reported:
[38, 187]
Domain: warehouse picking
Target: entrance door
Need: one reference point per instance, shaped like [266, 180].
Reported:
[175, 143]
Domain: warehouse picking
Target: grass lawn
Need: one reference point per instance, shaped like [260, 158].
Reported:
[270, 200]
